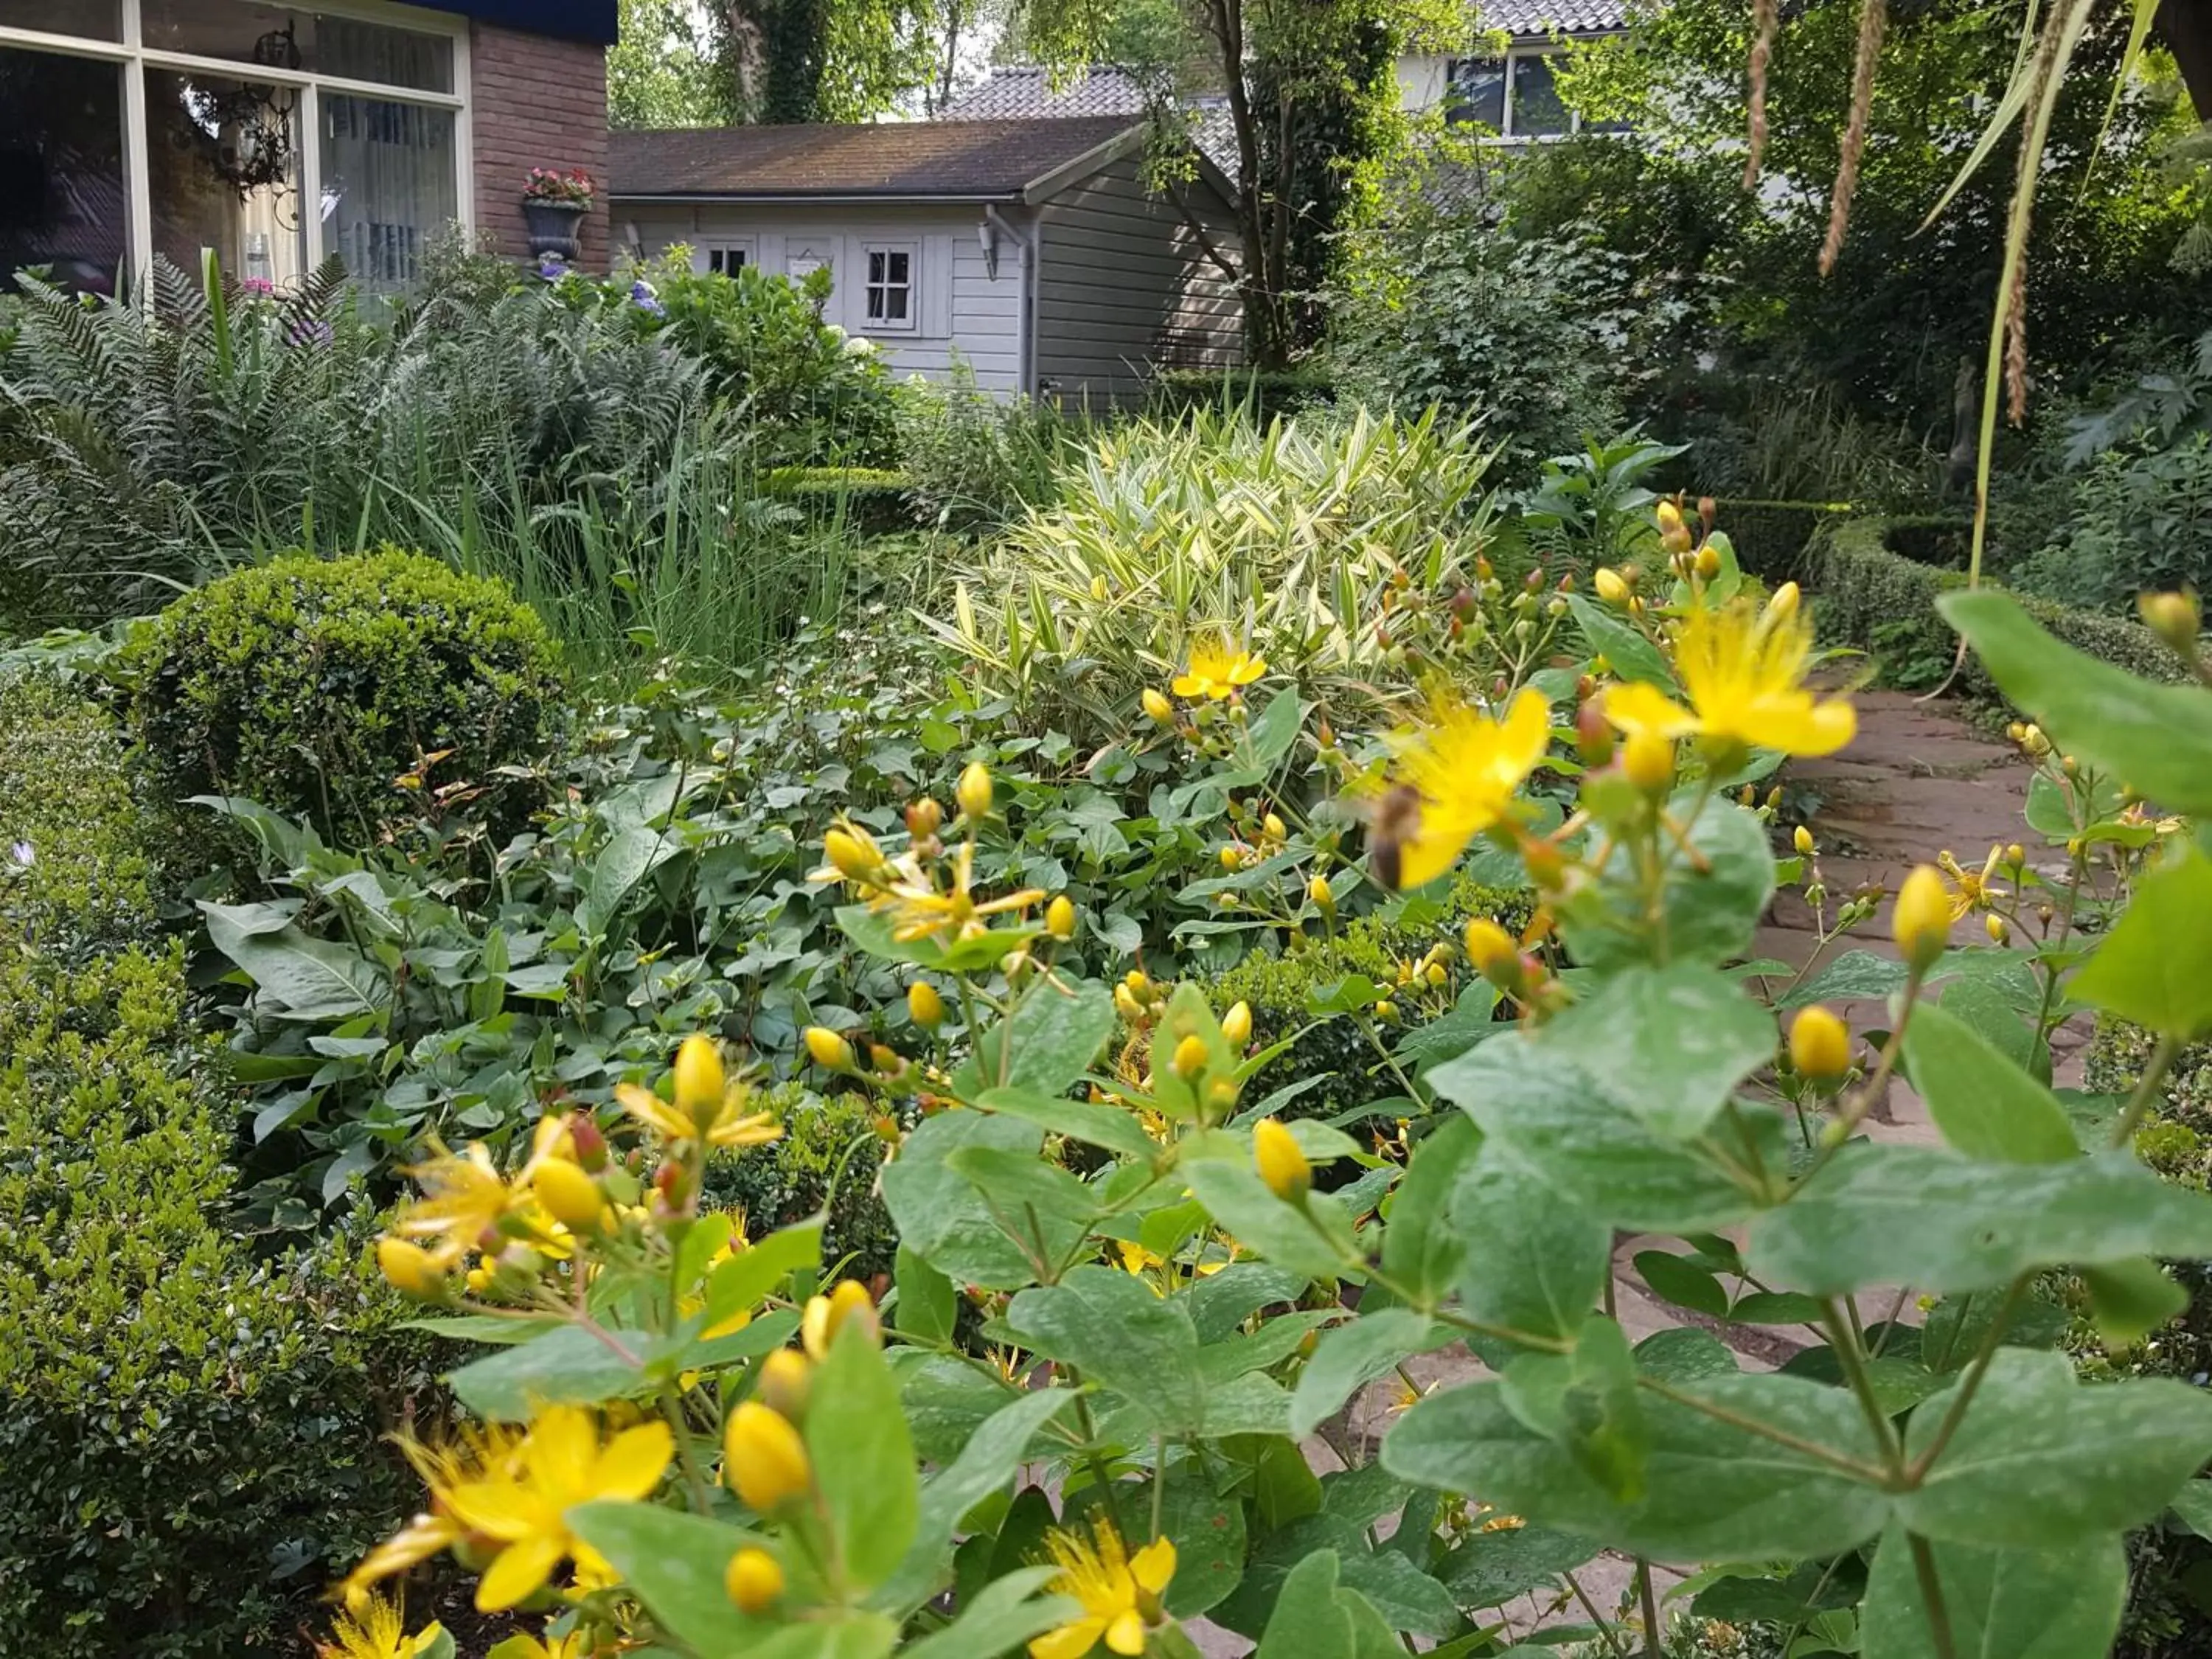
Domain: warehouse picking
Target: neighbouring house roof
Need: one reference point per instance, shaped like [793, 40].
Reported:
[939, 161]
[1528, 19]
[1028, 89]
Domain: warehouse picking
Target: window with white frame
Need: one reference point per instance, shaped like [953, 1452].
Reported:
[275, 136]
[890, 285]
[1515, 95]
[728, 258]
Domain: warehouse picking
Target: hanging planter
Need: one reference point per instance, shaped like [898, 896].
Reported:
[553, 209]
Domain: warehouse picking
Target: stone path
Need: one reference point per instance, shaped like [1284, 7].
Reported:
[1919, 780]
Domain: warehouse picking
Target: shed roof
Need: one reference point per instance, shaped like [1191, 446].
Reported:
[1525, 18]
[958, 160]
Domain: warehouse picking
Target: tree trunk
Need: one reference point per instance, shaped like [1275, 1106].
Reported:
[2186, 26]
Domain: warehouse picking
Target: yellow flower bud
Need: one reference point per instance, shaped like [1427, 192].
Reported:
[1922, 924]
[1190, 1057]
[1386, 1010]
[764, 1459]
[754, 1580]
[1098, 586]
[699, 1080]
[975, 790]
[1237, 1025]
[410, 1269]
[1281, 1164]
[1434, 973]
[1231, 857]
[851, 852]
[1994, 925]
[2016, 855]
[1802, 840]
[923, 816]
[1670, 516]
[1321, 892]
[2174, 617]
[1648, 761]
[1491, 949]
[1059, 918]
[1610, 587]
[1126, 1003]
[830, 1052]
[785, 1378]
[1819, 1044]
[924, 1006]
[1272, 827]
[570, 1197]
[1709, 562]
[1158, 707]
[1784, 605]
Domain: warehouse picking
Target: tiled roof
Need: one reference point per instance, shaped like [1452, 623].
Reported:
[1522, 18]
[1023, 89]
[967, 159]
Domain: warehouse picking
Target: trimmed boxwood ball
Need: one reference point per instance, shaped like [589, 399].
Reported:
[314, 685]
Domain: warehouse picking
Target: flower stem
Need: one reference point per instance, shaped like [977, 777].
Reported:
[1931, 1594]
[694, 1480]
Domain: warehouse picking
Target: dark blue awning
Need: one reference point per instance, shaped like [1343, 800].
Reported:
[573, 20]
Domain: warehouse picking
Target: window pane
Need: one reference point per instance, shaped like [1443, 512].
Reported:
[95, 19]
[388, 184]
[243, 33]
[875, 265]
[1537, 110]
[897, 264]
[61, 169]
[1476, 94]
[223, 172]
[895, 305]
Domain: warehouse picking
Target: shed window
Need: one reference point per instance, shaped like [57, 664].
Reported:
[728, 258]
[891, 294]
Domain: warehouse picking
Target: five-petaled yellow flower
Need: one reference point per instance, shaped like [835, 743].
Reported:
[463, 1197]
[1455, 778]
[1971, 890]
[1744, 671]
[1120, 1593]
[921, 909]
[727, 1124]
[375, 1630]
[522, 1509]
[1218, 669]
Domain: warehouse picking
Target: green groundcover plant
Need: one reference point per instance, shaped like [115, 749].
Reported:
[1120, 1300]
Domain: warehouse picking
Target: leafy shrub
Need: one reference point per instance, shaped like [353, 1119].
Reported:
[2136, 523]
[1262, 394]
[187, 1438]
[978, 462]
[863, 500]
[314, 686]
[826, 1161]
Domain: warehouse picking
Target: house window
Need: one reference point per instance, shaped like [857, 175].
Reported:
[275, 136]
[889, 288]
[1515, 96]
[728, 258]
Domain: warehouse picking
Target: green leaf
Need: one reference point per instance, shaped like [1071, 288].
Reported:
[2154, 969]
[940, 1213]
[1854, 977]
[1534, 1262]
[1001, 1617]
[1586, 1401]
[1307, 1622]
[298, 977]
[1038, 1205]
[1715, 892]
[1348, 1358]
[746, 1279]
[2022, 1604]
[871, 933]
[1683, 1283]
[993, 1457]
[1113, 1127]
[1775, 1308]
[1235, 1196]
[1544, 1115]
[1911, 1215]
[566, 1367]
[928, 1305]
[1284, 1486]
[2040, 1461]
[2193, 1505]
[1421, 1250]
[1712, 1489]
[2130, 1299]
[1666, 1044]
[1048, 1042]
[1208, 1532]
[1490, 1568]
[676, 1564]
[1985, 1105]
[1685, 1354]
[628, 859]
[1111, 1328]
[1633, 657]
[863, 1458]
[2156, 738]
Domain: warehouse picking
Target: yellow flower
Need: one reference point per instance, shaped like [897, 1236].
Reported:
[523, 1509]
[476, 1456]
[523, 1645]
[974, 790]
[463, 1198]
[1158, 708]
[1120, 1593]
[921, 910]
[764, 1459]
[825, 1315]
[1455, 779]
[376, 1630]
[570, 1196]
[1819, 1044]
[700, 1118]
[1744, 672]
[1921, 923]
[1275, 1154]
[1218, 669]
[1971, 891]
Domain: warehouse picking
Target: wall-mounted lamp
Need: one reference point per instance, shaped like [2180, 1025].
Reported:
[986, 232]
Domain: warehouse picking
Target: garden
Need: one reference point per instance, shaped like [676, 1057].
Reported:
[662, 995]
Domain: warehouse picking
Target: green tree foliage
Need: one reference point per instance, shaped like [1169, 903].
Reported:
[664, 71]
[783, 61]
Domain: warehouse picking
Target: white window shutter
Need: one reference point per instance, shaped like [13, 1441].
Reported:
[937, 286]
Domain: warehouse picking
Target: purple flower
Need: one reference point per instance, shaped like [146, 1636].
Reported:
[551, 267]
[642, 296]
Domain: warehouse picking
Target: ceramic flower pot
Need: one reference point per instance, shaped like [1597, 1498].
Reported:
[553, 225]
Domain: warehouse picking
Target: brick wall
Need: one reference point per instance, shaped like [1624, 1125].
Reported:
[537, 102]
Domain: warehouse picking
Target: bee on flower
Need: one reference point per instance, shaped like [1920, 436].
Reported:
[1120, 1593]
[1454, 777]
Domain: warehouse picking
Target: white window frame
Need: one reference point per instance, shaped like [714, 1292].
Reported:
[133, 58]
[1511, 55]
[747, 248]
[912, 322]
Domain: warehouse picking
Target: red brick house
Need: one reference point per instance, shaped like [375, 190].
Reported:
[278, 135]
